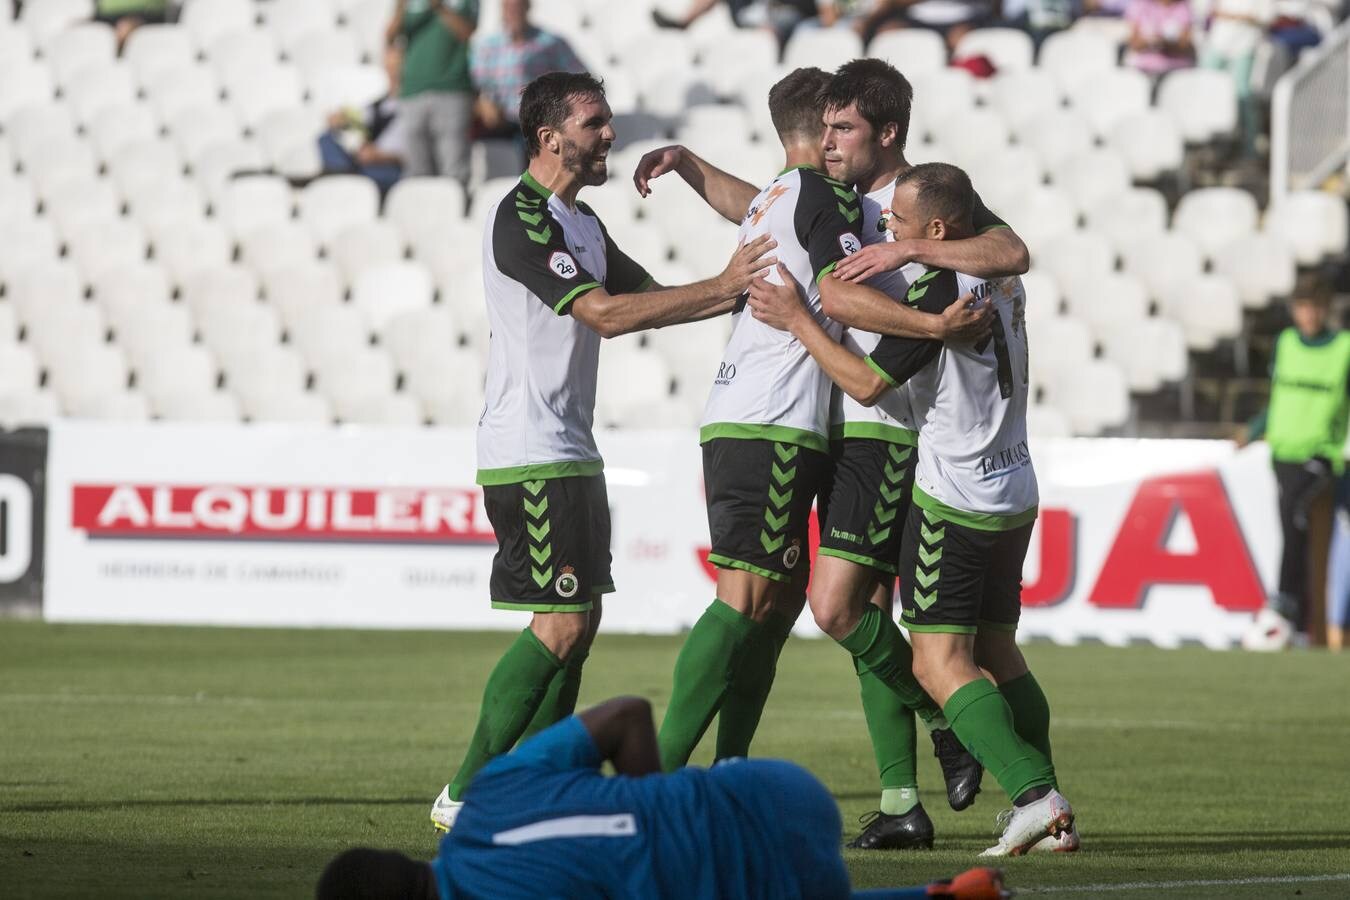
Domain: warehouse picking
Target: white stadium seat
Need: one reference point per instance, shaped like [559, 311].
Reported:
[217, 164]
[154, 50]
[99, 245]
[89, 370]
[19, 370]
[214, 286]
[323, 48]
[177, 370]
[1201, 102]
[45, 19]
[1110, 302]
[1260, 266]
[1020, 96]
[1130, 215]
[1089, 177]
[28, 408]
[145, 162]
[827, 48]
[196, 128]
[724, 63]
[354, 377]
[97, 87]
[420, 204]
[184, 248]
[43, 284]
[238, 329]
[264, 369]
[183, 90]
[113, 406]
[389, 409]
[331, 204]
[301, 408]
[284, 131]
[1071, 55]
[384, 291]
[116, 126]
[349, 86]
[1095, 398]
[207, 20]
[166, 202]
[23, 84]
[1207, 307]
[26, 243]
[88, 44]
[1313, 224]
[210, 406]
[148, 329]
[247, 203]
[277, 246]
[18, 203]
[416, 335]
[1073, 344]
[1149, 143]
[1214, 216]
[1009, 49]
[450, 386]
[1042, 215]
[1152, 352]
[1045, 421]
[1160, 260]
[1078, 260]
[363, 245]
[292, 20]
[32, 130]
[299, 287]
[323, 334]
[911, 50]
[255, 91]
[1056, 137]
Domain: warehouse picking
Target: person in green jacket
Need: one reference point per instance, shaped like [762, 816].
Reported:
[436, 97]
[1305, 426]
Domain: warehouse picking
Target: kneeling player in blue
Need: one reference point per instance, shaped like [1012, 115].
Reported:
[543, 821]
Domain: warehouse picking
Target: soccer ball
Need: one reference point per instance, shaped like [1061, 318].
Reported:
[1268, 632]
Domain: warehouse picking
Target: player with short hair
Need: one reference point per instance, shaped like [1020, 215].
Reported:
[764, 436]
[867, 113]
[544, 821]
[975, 500]
[555, 283]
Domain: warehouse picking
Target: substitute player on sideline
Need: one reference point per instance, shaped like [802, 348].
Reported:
[765, 452]
[975, 501]
[544, 821]
[555, 284]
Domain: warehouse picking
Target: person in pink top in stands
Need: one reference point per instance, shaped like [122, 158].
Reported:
[1160, 36]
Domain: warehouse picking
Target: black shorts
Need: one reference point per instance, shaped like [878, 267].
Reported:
[862, 516]
[760, 494]
[552, 543]
[959, 579]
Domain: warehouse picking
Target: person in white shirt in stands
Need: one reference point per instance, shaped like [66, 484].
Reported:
[1237, 30]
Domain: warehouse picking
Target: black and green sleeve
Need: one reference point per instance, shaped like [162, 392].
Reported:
[826, 221]
[984, 218]
[528, 247]
[897, 359]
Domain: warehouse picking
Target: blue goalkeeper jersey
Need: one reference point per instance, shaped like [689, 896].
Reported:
[543, 822]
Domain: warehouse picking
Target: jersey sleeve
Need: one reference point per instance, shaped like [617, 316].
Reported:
[528, 247]
[985, 219]
[897, 359]
[826, 221]
[623, 275]
[563, 746]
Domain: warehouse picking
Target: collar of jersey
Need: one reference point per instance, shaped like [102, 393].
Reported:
[536, 186]
[802, 166]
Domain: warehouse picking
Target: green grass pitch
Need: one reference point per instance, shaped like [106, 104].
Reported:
[173, 762]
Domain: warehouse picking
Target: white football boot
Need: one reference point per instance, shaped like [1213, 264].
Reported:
[1025, 826]
[1066, 843]
[444, 811]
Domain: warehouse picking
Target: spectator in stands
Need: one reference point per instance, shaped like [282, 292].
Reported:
[1237, 28]
[503, 63]
[1160, 36]
[369, 142]
[866, 17]
[437, 93]
[1305, 426]
[952, 19]
[125, 16]
[781, 16]
[1039, 18]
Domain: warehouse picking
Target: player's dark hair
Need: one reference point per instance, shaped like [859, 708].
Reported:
[546, 101]
[797, 105]
[943, 192]
[880, 91]
[363, 874]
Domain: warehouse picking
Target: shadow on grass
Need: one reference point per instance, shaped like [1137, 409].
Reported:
[84, 806]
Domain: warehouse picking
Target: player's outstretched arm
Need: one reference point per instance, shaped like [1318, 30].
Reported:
[724, 192]
[625, 734]
[859, 306]
[780, 306]
[610, 315]
[997, 253]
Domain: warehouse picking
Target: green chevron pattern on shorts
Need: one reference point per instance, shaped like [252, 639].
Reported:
[538, 528]
[928, 570]
[890, 492]
[779, 510]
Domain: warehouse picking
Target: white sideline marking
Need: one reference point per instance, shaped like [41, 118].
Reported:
[622, 825]
[1177, 885]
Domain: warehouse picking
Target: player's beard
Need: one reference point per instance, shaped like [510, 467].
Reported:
[587, 169]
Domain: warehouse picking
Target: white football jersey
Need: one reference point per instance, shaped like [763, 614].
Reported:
[970, 404]
[768, 386]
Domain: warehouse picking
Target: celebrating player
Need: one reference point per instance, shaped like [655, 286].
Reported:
[765, 451]
[544, 822]
[555, 284]
[975, 501]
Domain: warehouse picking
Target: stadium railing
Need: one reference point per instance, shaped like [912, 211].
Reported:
[1310, 117]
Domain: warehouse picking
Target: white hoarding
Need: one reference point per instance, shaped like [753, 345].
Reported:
[1162, 541]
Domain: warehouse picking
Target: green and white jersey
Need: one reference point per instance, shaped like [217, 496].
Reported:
[890, 419]
[970, 404]
[539, 256]
[768, 386]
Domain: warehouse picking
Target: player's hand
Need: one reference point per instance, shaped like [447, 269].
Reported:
[748, 262]
[776, 305]
[873, 260]
[654, 164]
[964, 321]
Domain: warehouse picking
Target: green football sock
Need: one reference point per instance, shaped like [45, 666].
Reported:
[561, 699]
[891, 726]
[898, 801]
[511, 698]
[983, 721]
[703, 671]
[750, 686]
[1031, 712]
[879, 646]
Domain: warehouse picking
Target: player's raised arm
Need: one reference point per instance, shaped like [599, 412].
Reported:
[625, 734]
[725, 193]
[780, 305]
[859, 306]
[610, 315]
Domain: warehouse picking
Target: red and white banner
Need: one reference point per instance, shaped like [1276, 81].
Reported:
[1159, 541]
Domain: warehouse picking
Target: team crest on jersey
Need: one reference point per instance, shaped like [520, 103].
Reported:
[791, 555]
[567, 583]
[850, 243]
[563, 265]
